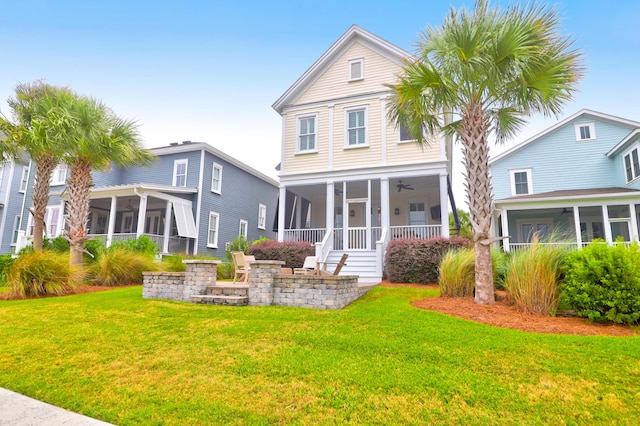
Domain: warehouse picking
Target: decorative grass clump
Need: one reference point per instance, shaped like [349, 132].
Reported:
[41, 273]
[457, 275]
[533, 276]
[120, 266]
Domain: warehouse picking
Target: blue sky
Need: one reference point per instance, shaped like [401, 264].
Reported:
[210, 70]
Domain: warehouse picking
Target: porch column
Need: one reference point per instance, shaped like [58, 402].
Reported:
[576, 224]
[505, 229]
[281, 212]
[167, 228]
[634, 222]
[112, 219]
[444, 206]
[606, 224]
[368, 213]
[142, 215]
[330, 206]
[345, 217]
[385, 220]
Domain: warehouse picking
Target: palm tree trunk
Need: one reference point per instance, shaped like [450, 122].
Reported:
[40, 198]
[78, 187]
[474, 134]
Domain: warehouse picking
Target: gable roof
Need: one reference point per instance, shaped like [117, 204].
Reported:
[587, 112]
[352, 35]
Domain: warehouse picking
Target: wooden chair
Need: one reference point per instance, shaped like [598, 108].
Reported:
[310, 266]
[323, 270]
[241, 266]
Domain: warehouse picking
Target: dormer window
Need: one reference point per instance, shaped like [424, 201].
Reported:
[585, 131]
[356, 69]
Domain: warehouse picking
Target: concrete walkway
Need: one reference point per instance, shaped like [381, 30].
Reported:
[20, 410]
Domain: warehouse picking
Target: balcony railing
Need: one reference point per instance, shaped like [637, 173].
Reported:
[177, 244]
[416, 232]
[310, 235]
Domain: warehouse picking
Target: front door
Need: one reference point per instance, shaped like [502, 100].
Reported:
[152, 224]
[358, 222]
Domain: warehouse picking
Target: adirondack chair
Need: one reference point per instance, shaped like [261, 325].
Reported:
[323, 270]
[310, 266]
[241, 266]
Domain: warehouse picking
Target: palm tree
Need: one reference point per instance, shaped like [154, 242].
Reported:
[38, 130]
[491, 69]
[99, 138]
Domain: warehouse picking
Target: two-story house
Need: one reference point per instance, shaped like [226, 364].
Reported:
[576, 181]
[351, 180]
[193, 199]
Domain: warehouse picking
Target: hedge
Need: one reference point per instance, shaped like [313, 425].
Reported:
[292, 253]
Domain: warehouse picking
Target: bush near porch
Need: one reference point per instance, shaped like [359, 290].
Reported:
[290, 252]
[418, 261]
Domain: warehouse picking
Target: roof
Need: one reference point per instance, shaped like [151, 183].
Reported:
[353, 34]
[188, 146]
[587, 112]
[572, 193]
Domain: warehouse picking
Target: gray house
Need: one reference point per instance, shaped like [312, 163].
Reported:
[193, 199]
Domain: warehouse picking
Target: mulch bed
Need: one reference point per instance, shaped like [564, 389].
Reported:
[505, 314]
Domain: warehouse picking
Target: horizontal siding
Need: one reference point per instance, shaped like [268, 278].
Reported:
[312, 162]
[348, 158]
[409, 152]
[559, 162]
[12, 199]
[378, 71]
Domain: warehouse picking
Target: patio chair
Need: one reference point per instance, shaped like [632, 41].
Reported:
[310, 266]
[336, 271]
[241, 266]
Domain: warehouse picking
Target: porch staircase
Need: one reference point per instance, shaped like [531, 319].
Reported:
[224, 294]
[359, 262]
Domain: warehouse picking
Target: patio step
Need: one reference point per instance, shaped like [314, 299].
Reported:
[228, 289]
[220, 299]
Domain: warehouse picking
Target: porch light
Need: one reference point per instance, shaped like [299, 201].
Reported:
[396, 211]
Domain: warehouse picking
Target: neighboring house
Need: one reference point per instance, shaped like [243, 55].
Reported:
[576, 181]
[14, 184]
[351, 180]
[194, 199]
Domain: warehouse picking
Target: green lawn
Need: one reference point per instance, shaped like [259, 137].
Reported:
[125, 360]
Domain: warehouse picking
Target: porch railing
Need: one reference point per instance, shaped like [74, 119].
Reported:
[310, 235]
[415, 232]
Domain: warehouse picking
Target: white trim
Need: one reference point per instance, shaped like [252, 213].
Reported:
[629, 153]
[15, 230]
[331, 108]
[623, 142]
[347, 111]
[283, 141]
[299, 118]
[176, 164]
[59, 175]
[215, 167]
[123, 229]
[512, 179]
[213, 244]
[341, 100]
[353, 62]
[383, 138]
[196, 238]
[590, 125]
[24, 178]
[5, 212]
[262, 216]
[246, 228]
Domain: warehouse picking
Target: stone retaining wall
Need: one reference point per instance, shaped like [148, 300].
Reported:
[180, 285]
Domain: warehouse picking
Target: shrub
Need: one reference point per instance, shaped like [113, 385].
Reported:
[240, 243]
[59, 244]
[418, 261]
[225, 271]
[94, 247]
[5, 264]
[602, 283]
[41, 273]
[173, 263]
[143, 244]
[292, 253]
[457, 271]
[120, 266]
[533, 277]
[259, 240]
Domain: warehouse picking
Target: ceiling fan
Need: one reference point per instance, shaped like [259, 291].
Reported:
[402, 186]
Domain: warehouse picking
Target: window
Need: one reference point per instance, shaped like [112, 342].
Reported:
[216, 178]
[531, 230]
[307, 133]
[405, 135]
[59, 176]
[356, 127]
[632, 165]
[51, 226]
[24, 181]
[16, 228]
[356, 69]
[585, 131]
[262, 216]
[417, 214]
[180, 172]
[242, 231]
[126, 226]
[521, 182]
[212, 234]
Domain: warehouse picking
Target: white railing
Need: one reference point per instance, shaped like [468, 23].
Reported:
[325, 246]
[416, 232]
[338, 241]
[381, 247]
[357, 238]
[310, 235]
[569, 245]
[376, 233]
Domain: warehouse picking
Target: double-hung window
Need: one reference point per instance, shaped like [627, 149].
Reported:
[212, 232]
[59, 176]
[24, 180]
[405, 134]
[307, 133]
[262, 216]
[585, 131]
[216, 178]
[356, 127]
[521, 182]
[632, 165]
[242, 231]
[180, 172]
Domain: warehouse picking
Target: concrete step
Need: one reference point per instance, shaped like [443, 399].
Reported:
[228, 289]
[218, 299]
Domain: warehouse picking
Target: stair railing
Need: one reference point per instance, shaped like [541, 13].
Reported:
[324, 247]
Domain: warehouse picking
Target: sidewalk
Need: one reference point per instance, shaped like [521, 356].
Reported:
[19, 410]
